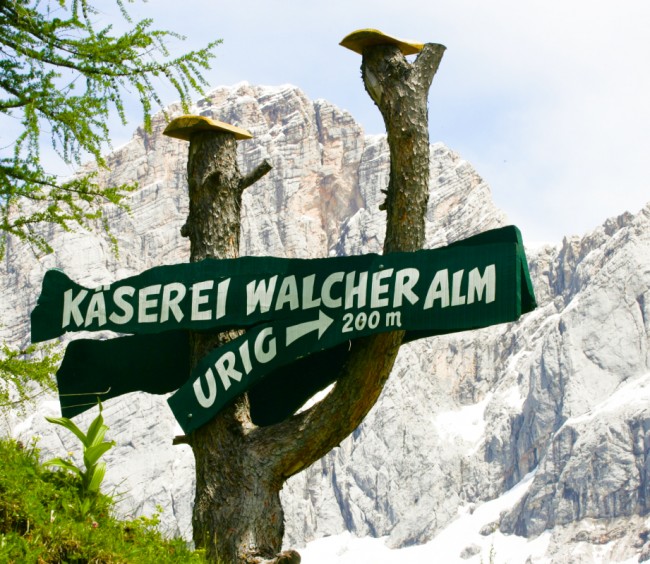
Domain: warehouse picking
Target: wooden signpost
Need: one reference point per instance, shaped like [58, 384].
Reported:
[187, 321]
[292, 308]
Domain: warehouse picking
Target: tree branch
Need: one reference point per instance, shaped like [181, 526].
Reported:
[427, 62]
[400, 91]
[258, 172]
[9, 105]
[304, 438]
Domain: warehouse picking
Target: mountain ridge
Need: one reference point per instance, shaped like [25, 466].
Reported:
[464, 418]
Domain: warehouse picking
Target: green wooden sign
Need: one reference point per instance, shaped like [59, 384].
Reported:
[431, 292]
[103, 369]
[291, 307]
[224, 294]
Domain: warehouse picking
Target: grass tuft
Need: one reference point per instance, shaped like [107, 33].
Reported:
[39, 520]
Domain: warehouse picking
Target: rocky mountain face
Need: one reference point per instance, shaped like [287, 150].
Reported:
[556, 404]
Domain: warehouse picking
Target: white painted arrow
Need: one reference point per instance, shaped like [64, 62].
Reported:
[296, 331]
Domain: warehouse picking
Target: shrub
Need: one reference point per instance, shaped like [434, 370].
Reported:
[40, 521]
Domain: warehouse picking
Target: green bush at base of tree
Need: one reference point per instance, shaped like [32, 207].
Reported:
[39, 522]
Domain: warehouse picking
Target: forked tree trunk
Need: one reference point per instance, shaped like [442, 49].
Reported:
[240, 468]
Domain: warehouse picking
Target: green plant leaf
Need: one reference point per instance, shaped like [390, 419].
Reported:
[84, 507]
[94, 453]
[69, 425]
[96, 431]
[65, 464]
[60, 525]
[49, 47]
[96, 476]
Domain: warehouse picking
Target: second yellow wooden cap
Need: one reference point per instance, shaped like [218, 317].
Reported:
[362, 38]
[183, 126]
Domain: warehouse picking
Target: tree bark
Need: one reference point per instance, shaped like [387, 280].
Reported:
[237, 512]
[240, 468]
[400, 90]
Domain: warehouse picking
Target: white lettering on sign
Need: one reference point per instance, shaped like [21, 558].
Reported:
[206, 300]
[171, 297]
[245, 357]
[228, 369]
[288, 294]
[262, 355]
[154, 304]
[326, 290]
[357, 291]
[308, 300]
[405, 279]
[199, 299]
[71, 307]
[148, 299]
[96, 310]
[123, 305]
[222, 295]
[479, 288]
[378, 289]
[439, 290]
[456, 298]
[478, 283]
[258, 294]
[206, 401]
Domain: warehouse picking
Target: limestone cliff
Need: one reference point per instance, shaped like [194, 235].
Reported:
[559, 399]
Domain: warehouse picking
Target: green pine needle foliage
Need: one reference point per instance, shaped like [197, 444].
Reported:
[62, 78]
[25, 374]
[39, 523]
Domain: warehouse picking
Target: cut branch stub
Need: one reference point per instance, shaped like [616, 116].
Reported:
[215, 184]
[400, 90]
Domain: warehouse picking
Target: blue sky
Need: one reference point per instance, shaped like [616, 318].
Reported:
[549, 100]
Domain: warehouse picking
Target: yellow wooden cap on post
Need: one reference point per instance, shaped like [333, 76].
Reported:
[183, 126]
[358, 40]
